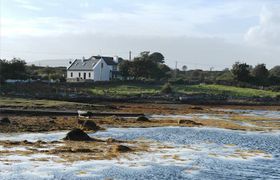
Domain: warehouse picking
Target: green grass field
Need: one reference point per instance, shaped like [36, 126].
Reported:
[128, 90]
[227, 90]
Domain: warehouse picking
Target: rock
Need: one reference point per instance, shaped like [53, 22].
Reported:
[89, 125]
[189, 122]
[143, 119]
[40, 142]
[51, 121]
[26, 142]
[121, 149]
[196, 108]
[77, 135]
[81, 150]
[116, 118]
[5, 121]
[111, 140]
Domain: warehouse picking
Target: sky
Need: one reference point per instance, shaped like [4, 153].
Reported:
[200, 34]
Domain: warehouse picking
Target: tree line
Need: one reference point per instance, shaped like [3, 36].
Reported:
[17, 69]
[145, 66]
[258, 75]
[152, 67]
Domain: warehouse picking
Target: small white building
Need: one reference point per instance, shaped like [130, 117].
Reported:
[96, 68]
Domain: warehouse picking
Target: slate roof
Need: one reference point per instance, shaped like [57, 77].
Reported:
[109, 60]
[86, 65]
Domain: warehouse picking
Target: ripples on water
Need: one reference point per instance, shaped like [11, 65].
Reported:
[199, 166]
[216, 168]
[199, 163]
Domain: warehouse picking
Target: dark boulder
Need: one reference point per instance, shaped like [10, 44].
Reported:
[52, 122]
[196, 108]
[143, 119]
[120, 149]
[77, 135]
[5, 121]
[188, 122]
[89, 125]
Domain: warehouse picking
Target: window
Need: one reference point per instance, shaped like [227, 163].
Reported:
[101, 65]
[79, 74]
[89, 75]
[71, 75]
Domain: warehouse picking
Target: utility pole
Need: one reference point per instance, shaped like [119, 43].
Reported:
[176, 63]
[129, 55]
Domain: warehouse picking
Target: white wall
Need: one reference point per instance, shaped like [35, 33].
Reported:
[76, 74]
[102, 74]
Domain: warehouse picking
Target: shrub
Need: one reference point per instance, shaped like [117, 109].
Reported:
[166, 89]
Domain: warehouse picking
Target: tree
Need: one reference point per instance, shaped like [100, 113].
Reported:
[275, 71]
[225, 76]
[260, 72]
[14, 69]
[124, 68]
[241, 71]
[167, 89]
[162, 71]
[142, 67]
[184, 68]
[157, 57]
[144, 55]
[145, 66]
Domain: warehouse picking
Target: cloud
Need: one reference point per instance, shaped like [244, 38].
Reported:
[26, 4]
[40, 26]
[267, 32]
[160, 18]
[194, 32]
[84, 4]
[193, 52]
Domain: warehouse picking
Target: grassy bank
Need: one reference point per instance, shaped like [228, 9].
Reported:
[226, 90]
[127, 90]
[124, 90]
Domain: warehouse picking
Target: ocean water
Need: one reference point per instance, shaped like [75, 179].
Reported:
[197, 153]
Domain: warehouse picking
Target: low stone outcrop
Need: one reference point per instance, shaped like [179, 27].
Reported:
[188, 122]
[5, 121]
[143, 119]
[77, 135]
[89, 125]
[120, 149]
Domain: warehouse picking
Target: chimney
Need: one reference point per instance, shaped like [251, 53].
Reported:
[83, 59]
[129, 56]
[116, 59]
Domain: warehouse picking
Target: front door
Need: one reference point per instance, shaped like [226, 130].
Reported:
[85, 75]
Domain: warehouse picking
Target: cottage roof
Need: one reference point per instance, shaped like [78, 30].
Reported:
[84, 65]
[109, 60]
[88, 64]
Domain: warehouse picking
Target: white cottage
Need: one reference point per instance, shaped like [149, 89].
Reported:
[96, 68]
